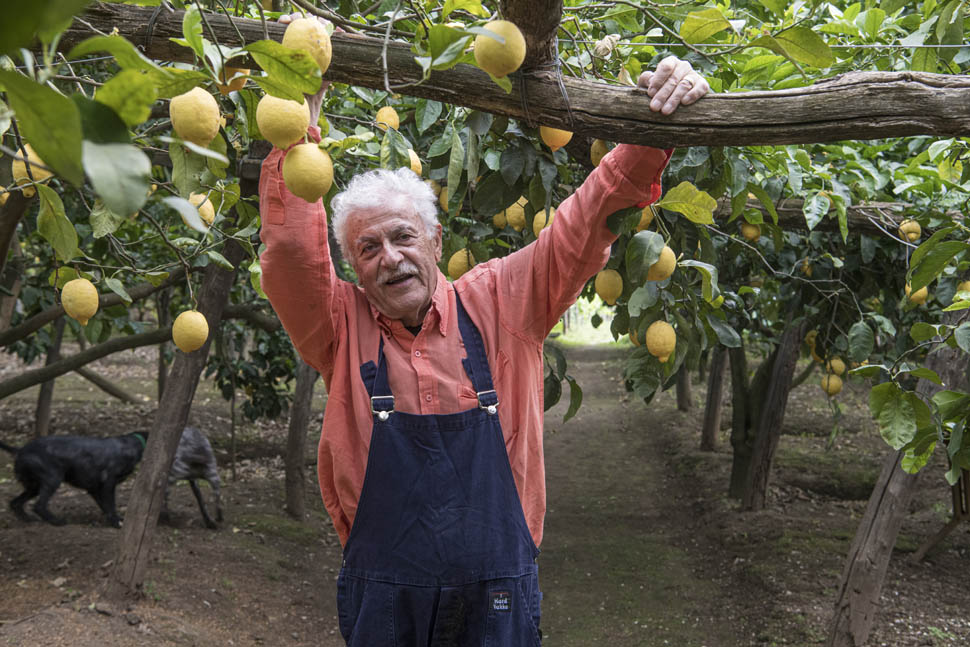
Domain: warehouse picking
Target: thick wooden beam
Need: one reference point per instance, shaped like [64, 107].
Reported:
[858, 105]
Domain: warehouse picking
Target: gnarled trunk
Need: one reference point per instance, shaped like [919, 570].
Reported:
[295, 463]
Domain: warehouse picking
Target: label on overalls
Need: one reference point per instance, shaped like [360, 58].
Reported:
[501, 601]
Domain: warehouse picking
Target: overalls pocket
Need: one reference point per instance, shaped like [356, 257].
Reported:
[513, 612]
[364, 612]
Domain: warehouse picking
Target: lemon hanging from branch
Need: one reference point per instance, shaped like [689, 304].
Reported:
[80, 300]
[308, 172]
[195, 116]
[500, 58]
[190, 331]
[281, 121]
[609, 286]
[661, 340]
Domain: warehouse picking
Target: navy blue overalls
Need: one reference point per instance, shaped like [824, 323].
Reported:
[439, 552]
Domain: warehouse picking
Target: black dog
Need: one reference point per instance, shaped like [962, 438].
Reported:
[194, 460]
[96, 465]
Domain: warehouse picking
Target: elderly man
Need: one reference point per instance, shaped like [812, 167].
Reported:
[430, 459]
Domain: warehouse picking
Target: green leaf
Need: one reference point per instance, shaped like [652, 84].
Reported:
[925, 59]
[686, 199]
[642, 251]
[394, 151]
[124, 52]
[173, 81]
[643, 298]
[895, 414]
[118, 288]
[861, 341]
[803, 45]
[927, 374]
[49, 121]
[190, 215]
[256, 277]
[551, 391]
[870, 370]
[130, 94]
[870, 21]
[293, 69]
[473, 7]
[932, 263]
[23, 20]
[962, 336]
[54, 226]
[103, 221]
[187, 168]
[701, 25]
[709, 289]
[426, 114]
[727, 335]
[456, 163]
[120, 174]
[777, 7]
[951, 405]
[815, 208]
[99, 123]
[575, 398]
[192, 30]
[920, 332]
[59, 276]
[219, 260]
[765, 199]
[512, 164]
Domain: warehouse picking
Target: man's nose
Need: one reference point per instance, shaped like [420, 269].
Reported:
[390, 254]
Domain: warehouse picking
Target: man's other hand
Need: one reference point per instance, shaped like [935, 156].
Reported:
[673, 83]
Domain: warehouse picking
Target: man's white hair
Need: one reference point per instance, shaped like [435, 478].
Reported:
[400, 191]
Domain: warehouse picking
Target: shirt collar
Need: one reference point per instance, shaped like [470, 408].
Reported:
[442, 301]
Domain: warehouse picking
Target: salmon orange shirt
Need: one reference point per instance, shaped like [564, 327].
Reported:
[514, 301]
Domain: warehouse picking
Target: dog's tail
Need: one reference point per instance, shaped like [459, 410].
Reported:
[8, 448]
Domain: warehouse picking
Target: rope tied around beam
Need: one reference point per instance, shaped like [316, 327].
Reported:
[150, 28]
[535, 71]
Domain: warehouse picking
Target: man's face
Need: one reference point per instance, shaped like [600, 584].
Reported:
[396, 261]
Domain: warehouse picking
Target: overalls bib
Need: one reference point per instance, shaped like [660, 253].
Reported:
[439, 553]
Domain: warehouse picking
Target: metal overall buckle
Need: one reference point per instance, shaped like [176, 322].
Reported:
[491, 408]
[382, 414]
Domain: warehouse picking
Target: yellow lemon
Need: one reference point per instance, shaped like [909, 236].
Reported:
[910, 230]
[542, 220]
[308, 34]
[963, 286]
[609, 286]
[190, 331]
[515, 214]
[918, 297]
[232, 78]
[195, 116]
[646, 217]
[810, 337]
[415, 162]
[19, 169]
[435, 187]
[835, 366]
[3, 196]
[500, 59]
[80, 300]
[597, 150]
[206, 211]
[443, 198]
[664, 266]
[498, 220]
[751, 232]
[554, 138]
[831, 384]
[806, 268]
[633, 338]
[387, 117]
[460, 262]
[661, 340]
[282, 122]
[308, 172]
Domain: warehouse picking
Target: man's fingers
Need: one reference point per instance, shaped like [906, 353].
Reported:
[670, 84]
[701, 88]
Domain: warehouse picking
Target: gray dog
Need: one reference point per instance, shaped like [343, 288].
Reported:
[194, 460]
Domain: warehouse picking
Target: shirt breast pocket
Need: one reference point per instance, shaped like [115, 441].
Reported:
[467, 395]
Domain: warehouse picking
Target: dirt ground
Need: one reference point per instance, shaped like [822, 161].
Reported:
[642, 547]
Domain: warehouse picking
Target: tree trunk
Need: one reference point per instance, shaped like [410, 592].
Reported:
[128, 574]
[741, 448]
[868, 560]
[684, 399]
[10, 282]
[11, 213]
[771, 418]
[162, 300]
[906, 103]
[715, 400]
[539, 22]
[42, 417]
[306, 377]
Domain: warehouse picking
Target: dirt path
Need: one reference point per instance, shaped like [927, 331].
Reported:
[641, 548]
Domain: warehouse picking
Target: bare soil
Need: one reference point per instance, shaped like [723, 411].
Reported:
[642, 547]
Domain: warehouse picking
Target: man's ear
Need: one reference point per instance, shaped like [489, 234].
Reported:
[437, 243]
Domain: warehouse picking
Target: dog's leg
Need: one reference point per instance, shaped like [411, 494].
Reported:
[17, 504]
[104, 495]
[212, 476]
[47, 490]
[209, 523]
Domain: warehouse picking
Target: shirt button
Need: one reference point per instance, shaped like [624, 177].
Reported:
[428, 397]
[417, 353]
